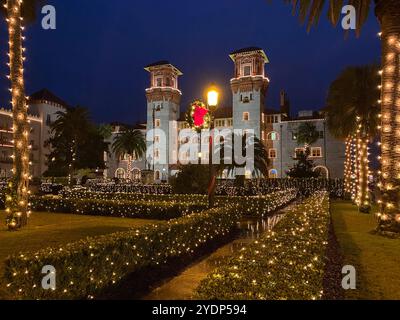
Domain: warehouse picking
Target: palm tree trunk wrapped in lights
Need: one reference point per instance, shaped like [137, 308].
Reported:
[388, 13]
[17, 199]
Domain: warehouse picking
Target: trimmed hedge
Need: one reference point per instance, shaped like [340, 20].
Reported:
[287, 263]
[306, 186]
[86, 267]
[116, 208]
[256, 206]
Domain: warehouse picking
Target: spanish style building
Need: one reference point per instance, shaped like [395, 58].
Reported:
[43, 108]
[276, 128]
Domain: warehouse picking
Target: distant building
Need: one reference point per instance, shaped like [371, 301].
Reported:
[276, 128]
[43, 106]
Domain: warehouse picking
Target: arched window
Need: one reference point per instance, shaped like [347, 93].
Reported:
[273, 174]
[273, 136]
[157, 175]
[120, 173]
[323, 171]
[136, 174]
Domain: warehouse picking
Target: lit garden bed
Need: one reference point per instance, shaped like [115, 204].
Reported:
[287, 263]
[88, 266]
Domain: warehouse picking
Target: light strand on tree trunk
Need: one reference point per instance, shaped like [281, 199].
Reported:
[390, 128]
[17, 206]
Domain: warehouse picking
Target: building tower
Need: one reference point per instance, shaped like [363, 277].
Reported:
[249, 88]
[163, 109]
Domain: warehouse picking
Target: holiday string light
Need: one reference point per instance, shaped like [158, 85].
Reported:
[17, 204]
[390, 129]
[128, 205]
[347, 167]
[107, 259]
[286, 263]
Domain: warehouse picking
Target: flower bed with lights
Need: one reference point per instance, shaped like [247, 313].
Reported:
[86, 267]
[286, 263]
[148, 209]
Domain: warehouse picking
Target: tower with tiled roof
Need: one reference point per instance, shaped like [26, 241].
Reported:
[163, 110]
[249, 88]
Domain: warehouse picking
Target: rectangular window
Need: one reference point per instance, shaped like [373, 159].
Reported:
[157, 123]
[220, 123]
[156, 154]
[298, 151]
[272, 154]
[157, 139]
[246, 116]
[158, 82]
[230, 122]
[321, 134]
[316, 152]
[263, 135]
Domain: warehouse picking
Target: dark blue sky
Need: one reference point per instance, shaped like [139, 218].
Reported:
[96, 56]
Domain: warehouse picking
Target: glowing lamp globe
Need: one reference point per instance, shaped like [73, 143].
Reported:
[212, 98]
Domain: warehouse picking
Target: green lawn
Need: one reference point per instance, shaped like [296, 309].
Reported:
[376, 258]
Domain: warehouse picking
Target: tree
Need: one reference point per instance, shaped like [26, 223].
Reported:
[191, 179]
[261, 161]
[132, 143]
[353, 114]
[304, 168]
[388, 14]
[76, 143]
[307, 134]
[17, 199]
[105, 131]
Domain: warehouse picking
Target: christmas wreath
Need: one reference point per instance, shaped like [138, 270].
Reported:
[198, 116]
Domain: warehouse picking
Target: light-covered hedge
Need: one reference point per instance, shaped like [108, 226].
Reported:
[88, 266]
[148, 209]
[287, 263]
[250, 205]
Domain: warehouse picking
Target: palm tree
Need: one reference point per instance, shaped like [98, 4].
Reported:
[17, 200]
[261, 161]
[132, 143]
[307, 134]
[353, 114]
[388, 14]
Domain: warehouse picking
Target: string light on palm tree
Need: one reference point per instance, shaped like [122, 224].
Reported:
[17, 205]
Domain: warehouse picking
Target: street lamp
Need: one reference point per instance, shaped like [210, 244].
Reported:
[212, 101]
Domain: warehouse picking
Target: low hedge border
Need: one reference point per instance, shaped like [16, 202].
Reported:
[116, 208]
[285, 264]
[86, 267]
[250, 205]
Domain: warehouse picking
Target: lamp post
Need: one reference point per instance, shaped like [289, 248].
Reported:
[212, 101]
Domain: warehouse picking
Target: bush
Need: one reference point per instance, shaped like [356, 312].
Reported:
[86, 267]
[256, 206]
[115, 208]
[307, 187]
[286, 263]
[191, 179]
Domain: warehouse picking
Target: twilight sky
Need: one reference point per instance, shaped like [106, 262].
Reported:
[96, 56]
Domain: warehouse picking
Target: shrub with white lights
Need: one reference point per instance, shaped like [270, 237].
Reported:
[285, 264]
